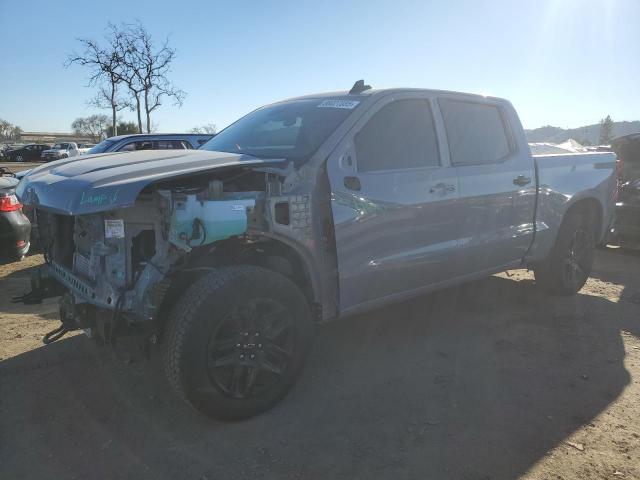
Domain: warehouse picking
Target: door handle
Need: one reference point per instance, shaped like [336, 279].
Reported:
[442, 188]
[521, 180]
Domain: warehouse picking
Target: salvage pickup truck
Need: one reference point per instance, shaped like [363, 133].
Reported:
[304, 211]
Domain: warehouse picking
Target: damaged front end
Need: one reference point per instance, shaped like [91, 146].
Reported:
[116, 267]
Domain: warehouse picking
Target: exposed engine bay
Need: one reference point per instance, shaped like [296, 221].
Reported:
[124, 262]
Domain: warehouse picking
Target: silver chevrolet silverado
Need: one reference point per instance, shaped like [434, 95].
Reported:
[304, 211]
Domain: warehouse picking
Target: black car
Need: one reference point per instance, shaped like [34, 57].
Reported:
[15, 228]
[625, 230]
[28, 153]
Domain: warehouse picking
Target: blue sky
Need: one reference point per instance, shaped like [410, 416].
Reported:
[561, 62]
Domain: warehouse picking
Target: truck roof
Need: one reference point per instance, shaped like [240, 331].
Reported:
[384, 91]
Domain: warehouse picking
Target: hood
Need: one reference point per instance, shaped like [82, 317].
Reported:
[95, 183]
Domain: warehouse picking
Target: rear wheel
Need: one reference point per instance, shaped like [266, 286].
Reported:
[568, 267]
[236, 341]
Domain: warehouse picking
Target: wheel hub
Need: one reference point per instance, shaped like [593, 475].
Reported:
[251, 349]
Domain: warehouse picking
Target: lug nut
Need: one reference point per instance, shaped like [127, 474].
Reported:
[259, 345]
[238, 345]
[241, 357]
[252, 356]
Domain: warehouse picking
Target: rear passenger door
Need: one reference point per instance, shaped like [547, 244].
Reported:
[496, 181]
[393, 202]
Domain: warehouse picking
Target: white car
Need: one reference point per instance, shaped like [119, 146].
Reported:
[62, 150]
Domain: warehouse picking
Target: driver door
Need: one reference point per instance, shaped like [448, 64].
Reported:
[394, 204]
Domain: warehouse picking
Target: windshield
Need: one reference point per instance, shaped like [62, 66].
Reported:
[101, 147]
[293, 130]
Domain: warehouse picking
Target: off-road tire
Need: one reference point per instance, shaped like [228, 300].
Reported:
[204, 309]
[562, 273]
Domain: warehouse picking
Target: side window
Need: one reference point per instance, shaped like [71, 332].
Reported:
[141, 145]
[400, 135]
[476, 132]
[169, 145]
[129, 147]
[162, 145]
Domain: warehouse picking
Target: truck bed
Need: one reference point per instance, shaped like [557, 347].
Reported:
[563, 179]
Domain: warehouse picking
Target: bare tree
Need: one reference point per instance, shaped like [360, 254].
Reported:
[107, 98]
[106, 69]
[129, 59]
[207, 128]
[124, 128]
[8, 131]
[147, 70]
[94, 126]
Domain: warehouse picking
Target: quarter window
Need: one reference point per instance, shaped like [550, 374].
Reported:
[476, 132]
[400, 135]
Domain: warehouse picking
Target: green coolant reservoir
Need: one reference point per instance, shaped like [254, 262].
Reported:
[200, 222]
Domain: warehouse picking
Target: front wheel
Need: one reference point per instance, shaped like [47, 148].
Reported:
[567, 268]
[236, 341]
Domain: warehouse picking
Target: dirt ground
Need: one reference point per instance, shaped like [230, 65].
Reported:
[492, 380]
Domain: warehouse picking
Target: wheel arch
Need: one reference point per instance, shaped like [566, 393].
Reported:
[271, 253]
[590, 206]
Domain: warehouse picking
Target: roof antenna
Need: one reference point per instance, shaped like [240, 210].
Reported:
[359, 87]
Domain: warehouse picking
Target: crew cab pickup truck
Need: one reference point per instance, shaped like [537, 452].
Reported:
[62, 150]
[304, 211]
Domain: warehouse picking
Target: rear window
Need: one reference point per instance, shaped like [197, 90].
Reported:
[476, 132]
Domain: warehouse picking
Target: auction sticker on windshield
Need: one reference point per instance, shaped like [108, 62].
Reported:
[348, 104]
[114, 228]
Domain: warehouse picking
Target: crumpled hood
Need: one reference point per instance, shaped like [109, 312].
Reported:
[95, 183]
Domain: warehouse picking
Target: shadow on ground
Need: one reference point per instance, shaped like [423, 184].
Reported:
[475, 382]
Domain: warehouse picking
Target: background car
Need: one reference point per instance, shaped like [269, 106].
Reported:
[27, 153]
[14, 226]
[625, 230]
[62, 150]
[151, 141]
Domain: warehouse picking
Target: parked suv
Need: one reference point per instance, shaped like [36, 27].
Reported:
[303, 211]
[164, 141]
